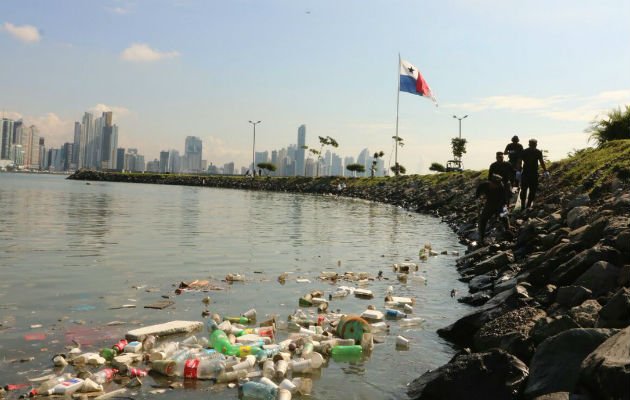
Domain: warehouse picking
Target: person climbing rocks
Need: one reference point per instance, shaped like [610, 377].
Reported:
[513, 151]
[530, 158]
[495, 203]
[505, 170]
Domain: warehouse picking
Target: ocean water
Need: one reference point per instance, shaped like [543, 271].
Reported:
[72, 253]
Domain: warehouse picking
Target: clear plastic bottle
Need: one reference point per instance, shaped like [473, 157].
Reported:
[394, 314]
[259, 391]
[103, 376]
[45, 386]
[195, 368]
[411, 321]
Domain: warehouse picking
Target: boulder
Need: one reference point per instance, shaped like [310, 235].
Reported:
[551, 326]
[567, 272]
[588, 235]
[578, 216]
[476, 299]
[586, 314]
[578, 201]
[462, 331]
[499, 262]
[546, 295]
[510, 332]
[622, 242]
[553, 396]
[556, 364]
[495, 374]
[616, 312]
[571, 296]
[624, 276]
[606, 371]
[600, 278]
[482, 282]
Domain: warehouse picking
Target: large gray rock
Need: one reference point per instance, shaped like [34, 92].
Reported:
[578, 216]
[510, 332]
[616, 313]
[482, 282]
[499, 262]
[623, 241]
[600, 278]
[579, 200]
[461, 332]
[495, 374]
[606, 371]
[571, 296]
[557, 362]
[586, 314]
[569, 271]
[551, 326]
[588, 235]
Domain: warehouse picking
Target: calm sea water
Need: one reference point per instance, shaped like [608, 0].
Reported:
[70, 252]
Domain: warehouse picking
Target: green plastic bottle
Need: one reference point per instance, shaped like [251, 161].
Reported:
[237, 320]
[220, 342]
[347, 353]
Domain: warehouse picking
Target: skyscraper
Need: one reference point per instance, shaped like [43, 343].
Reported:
[164, 161]
[77, 144]
[299, 154]
[6, 137]
[87, 139]
[109, 142]
[192, 154]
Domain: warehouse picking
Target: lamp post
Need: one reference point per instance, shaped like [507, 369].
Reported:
[460, 123]
[254, 148]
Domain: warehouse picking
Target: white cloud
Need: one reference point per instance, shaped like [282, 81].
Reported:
[118, 111]
[559, 107]
[25, 33]
[140, 52]
[54, 129]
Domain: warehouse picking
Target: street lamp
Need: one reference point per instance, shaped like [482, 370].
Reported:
[254, 148]
[460, 123]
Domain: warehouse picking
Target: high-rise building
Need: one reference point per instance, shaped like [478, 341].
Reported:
[120, 159]
[228, 169]
[174, 162]
[77, 144]
[299, 154]
[31, 148]
[336, 165]
[164, 161]
[86, 141]
[108, 142]
[68, 149]
[192, 154]
[347, 161]
[6, 138]
[41, 158]
[153, 166]
[364, 159]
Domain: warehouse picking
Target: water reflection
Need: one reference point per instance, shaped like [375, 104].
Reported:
[88, 220]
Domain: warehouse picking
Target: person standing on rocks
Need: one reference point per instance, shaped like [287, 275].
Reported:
[505, 170]
[530, 157]
[495, 204]
[514, 151]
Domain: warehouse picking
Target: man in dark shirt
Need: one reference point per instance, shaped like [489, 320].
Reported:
[505, 170]
[530, 157]
[494, 192]
[513, 151]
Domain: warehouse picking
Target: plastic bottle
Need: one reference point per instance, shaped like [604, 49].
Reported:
[66, 387]
[120, 346]
[411, 321]
[259, 391]
[164, 351]
[347, 353]
[108, 354]
[45, 386]
[195, 368]
[103, 376]
[231, 376]
[394, 314]
[237, 320]
[220, 342]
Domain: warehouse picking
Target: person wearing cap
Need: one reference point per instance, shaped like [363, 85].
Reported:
[530, 157]
[506, 171]
[495, 204]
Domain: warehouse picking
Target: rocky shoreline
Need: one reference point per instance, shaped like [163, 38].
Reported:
[553, 294]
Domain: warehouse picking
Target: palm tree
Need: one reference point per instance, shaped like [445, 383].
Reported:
[323, 141]
[615, 127]
[375, 158]
[354, 168]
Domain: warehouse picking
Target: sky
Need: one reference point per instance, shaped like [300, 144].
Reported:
[175, 68]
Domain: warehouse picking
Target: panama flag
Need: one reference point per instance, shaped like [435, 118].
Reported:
[411, 81]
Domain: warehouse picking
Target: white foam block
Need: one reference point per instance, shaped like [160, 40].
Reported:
[161, 330]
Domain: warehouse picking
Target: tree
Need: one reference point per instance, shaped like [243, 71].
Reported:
[323, 141]
[398, 141]
[375, 158]
[437, 167]
[458, 145]
[269, 167]
[354, 168]
[615, 126]
[399, 169]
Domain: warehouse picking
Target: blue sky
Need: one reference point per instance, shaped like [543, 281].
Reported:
[173, 68]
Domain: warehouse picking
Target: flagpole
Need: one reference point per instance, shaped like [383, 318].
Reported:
[397, 106]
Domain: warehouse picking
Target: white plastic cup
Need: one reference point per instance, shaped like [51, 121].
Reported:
[402, 341]
[287, 385]
[268, 382]
[301, 365]
[269, 369]
[245, 364]
[250, 314]
[281, 368]
[284, 394]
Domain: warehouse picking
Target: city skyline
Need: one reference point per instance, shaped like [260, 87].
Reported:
[209, 67]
